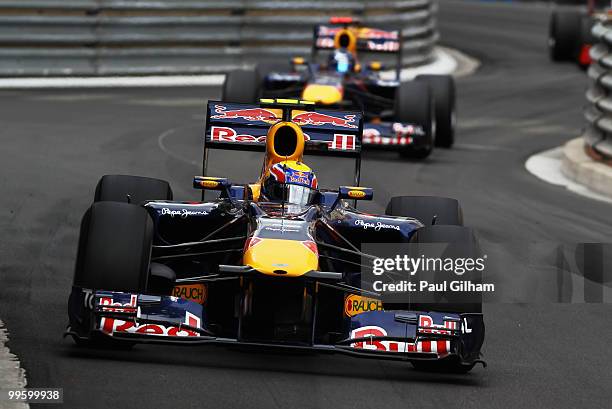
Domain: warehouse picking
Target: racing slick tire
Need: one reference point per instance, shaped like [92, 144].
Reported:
[114, 254]
[443, 91]
[241, 86]
[114, 247]
[132, 189]
[564, 37]
[414, 104]
[446, 211]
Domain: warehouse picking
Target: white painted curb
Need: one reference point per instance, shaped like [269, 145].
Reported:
[548, 166]
[11, 374]
[582, 169]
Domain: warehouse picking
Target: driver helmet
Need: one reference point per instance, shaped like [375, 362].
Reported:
[290, 181]
[342, 61]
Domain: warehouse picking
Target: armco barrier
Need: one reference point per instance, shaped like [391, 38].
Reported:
[598, 113]
[112, 37]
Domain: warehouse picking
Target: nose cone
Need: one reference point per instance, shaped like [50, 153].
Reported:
[322, 94]
[290, 258]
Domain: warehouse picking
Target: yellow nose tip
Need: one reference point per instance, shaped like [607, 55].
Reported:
[322, 94]
[291, 258]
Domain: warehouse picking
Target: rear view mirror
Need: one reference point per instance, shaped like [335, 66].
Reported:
[211, 183]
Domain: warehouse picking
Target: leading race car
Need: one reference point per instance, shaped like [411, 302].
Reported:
[274, 262]
[410, 117]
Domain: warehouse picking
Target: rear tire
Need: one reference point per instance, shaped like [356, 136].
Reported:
[117, 188]
[564, 35]
[414, 104]
[241, 86]
[443, 91]
[424, 208]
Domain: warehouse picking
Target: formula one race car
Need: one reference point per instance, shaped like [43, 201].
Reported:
[570, 26]
[273, 263]
[408, 116]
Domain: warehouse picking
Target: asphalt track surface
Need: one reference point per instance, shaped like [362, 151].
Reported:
[55, 146]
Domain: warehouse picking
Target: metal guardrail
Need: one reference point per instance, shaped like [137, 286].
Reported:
[112, 37]
[598, 113]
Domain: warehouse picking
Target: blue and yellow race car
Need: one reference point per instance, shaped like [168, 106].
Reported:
[411, 116]
[274, 262]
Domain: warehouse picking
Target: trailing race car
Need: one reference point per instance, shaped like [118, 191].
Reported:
[570, 37]
[274, 262]
[407, 116]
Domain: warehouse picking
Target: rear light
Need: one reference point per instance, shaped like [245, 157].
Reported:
[584, 59]
[251, 241]
[312, 246]
[341, 20]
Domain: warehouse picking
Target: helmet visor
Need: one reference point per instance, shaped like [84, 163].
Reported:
[293, 194]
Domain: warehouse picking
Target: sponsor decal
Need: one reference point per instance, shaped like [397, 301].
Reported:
[401, 130]
[440, 347]
[319, 119]
[299, 177]
[371, 135]
[209, 184]
[375, 34]
[356, 194]
[112, 326]
[343, 142]
[191, 292]
[328, 31]
[109, 305]
[383, 46]
[356, 304]
[427, 326]
[325, 42]
[248, 114]
[377, 226]
[182, 213]
[226, 134]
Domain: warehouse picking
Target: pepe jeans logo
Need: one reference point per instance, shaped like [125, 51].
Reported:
[183, 213]
[376, 226]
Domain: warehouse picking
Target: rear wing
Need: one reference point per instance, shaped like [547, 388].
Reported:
[368, 39]
[237, 126]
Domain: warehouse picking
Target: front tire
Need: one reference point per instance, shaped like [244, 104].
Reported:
[114, 248]
[114, 254]
[132, 189]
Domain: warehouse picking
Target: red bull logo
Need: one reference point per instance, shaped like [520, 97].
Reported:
[227, 134]
[248, 114]
[319, 119]
[376, 34]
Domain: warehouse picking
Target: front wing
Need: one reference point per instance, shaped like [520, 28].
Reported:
[400, 335]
